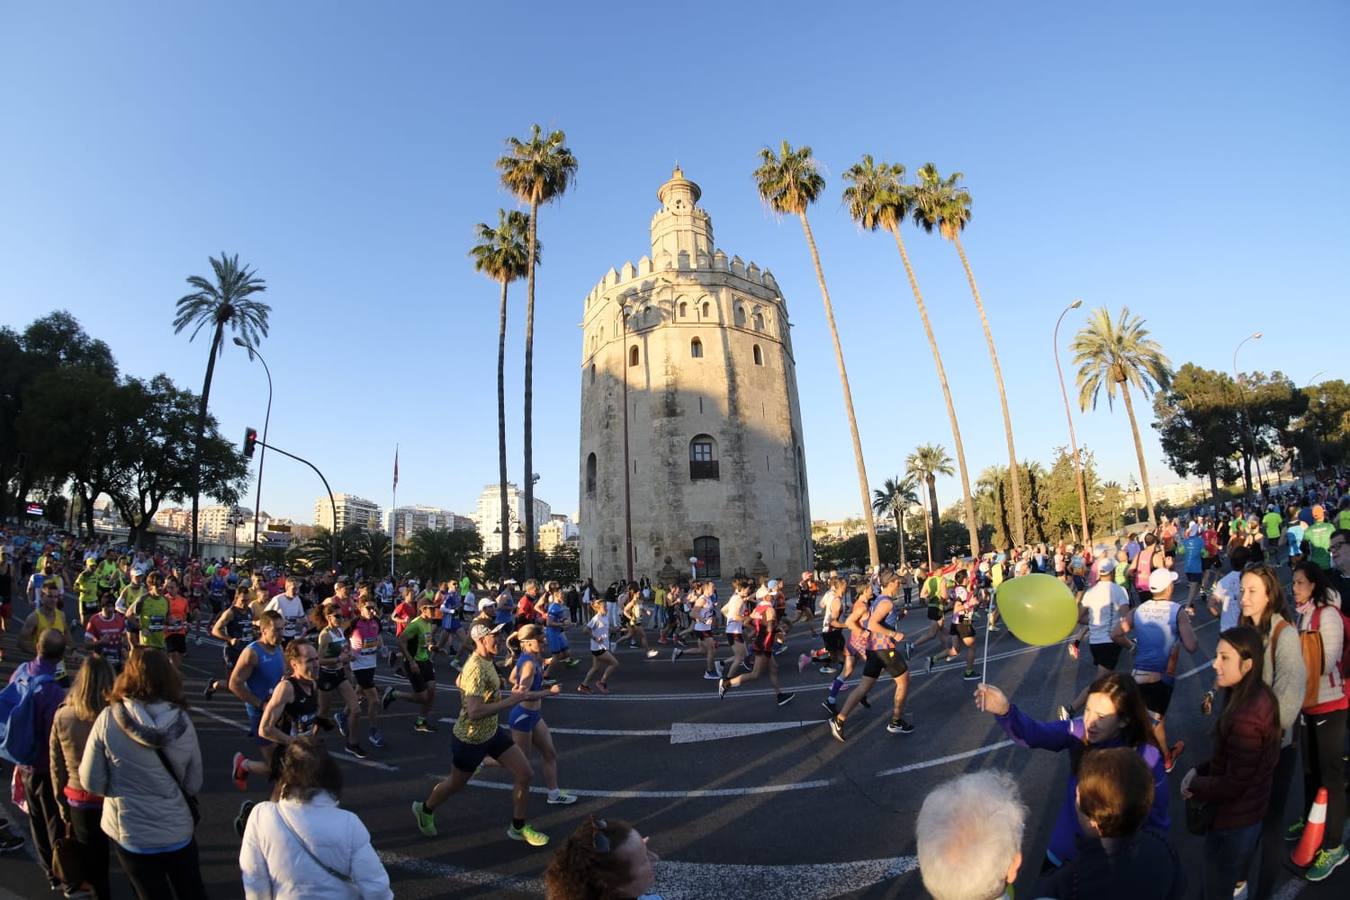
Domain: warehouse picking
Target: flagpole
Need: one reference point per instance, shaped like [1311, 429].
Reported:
[393, 520]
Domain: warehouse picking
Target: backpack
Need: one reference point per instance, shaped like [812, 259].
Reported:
[19, 741]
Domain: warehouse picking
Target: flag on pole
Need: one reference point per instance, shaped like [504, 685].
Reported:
[396, 467]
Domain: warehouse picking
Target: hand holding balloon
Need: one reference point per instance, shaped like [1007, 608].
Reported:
[991, 700]
[1039, 609]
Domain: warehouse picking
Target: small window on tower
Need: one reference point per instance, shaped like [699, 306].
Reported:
[684, 310]
[759, 357]
[696, 348]
[740, 316]
[706, 308]
[633, 355]
[592, 373]
[703, 458]
[590, 475]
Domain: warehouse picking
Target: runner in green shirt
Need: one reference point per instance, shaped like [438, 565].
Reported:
[415, 642]
[1272, 521]
[129, 594]
[1343, 517]
[478, 735]
[86, 585]
[1318, 537]
[148, 613]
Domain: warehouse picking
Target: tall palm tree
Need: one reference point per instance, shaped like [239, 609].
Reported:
[877, 197]
[943, 204]
[893, 498]
[789, 182]
[502, 254]
[1119, 352]
[925, 464]
[220, 303]
[536, 171]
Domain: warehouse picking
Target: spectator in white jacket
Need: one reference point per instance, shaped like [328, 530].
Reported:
[142, 756]
[302, 845]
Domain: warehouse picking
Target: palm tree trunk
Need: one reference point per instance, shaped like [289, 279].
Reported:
[972, 526]
[872, 550]
[201, 431]
[529, 395]
[1018, 533]
[501, 432]
[931, 480]
[900, 530]
[928, 538]
[1139, 452]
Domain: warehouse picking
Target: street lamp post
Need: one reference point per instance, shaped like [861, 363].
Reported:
[1246, 414]
[332, 504]
[627, 495]
[267, 419]
[1317, 437]
[1073, 439]
[234, 521]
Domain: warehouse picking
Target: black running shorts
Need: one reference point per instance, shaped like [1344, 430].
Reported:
[892, 661]
[468, 757]
[834, 641]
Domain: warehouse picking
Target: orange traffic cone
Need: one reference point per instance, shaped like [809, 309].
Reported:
[1316, 826]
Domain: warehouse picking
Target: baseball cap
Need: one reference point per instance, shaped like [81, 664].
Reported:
[486, 603]
[761, 593]
[481, 630]
[1159, 579]
[773, 584]
[1106, 565]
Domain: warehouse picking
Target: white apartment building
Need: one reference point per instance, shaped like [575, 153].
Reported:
[405, 521]
[488, 514]
[351, 510]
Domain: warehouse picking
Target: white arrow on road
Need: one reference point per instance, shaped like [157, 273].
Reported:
[684, 732]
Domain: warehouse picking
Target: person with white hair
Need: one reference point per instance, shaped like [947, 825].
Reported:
[969, 834]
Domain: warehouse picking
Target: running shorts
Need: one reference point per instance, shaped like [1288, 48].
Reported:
[365, 678]
[964, 630]
[934, 614]
[420, 673]
[1211, 562]
[450, 624]
[834, 641]
[231, 656]
[857, 645]
[892, 661]
[735, 637]
[331, 679]
[1157, 696]
[522, 719]
[1079, 584]
[805, 604]
[468, 757]
[175, 643]
[1193, 577]
[599, 652]
[1105, 655]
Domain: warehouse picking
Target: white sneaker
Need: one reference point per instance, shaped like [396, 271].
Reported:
[652, 654]
[563, 799]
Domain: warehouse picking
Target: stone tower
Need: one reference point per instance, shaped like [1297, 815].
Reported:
[701, 345]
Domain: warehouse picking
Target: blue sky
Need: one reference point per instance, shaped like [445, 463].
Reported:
[1187, 162]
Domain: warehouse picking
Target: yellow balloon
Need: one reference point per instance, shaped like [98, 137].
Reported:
[1039, 609]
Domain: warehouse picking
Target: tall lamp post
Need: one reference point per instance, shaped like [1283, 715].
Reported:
[234, 520]
[267, 419]
[1073, 439]
[1246, 414]
[627, 495]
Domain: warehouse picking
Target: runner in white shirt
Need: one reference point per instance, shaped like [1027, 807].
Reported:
[734, 612]
[602, 660]
[292, 611]
[705, 617]
[1101, 608]
[1225, 599]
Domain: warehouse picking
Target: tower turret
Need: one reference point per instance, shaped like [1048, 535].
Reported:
[680, 226]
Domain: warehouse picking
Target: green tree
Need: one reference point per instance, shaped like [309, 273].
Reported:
[1114, 354]
[370, 552]
[877, 197]
[1199, 426]
[925, 464]
[789, 181]
[1324, 428]
[536, 170]
[991, 503]
[220, 303]
[895, 496]
[437, 554]
[943, 204]
[502, 254]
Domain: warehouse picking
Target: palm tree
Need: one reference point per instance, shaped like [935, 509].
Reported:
[224, 302]
[370, 552]
[502, 254]
[943, 204]
[893, 498]
[439, 553]
[789, 182]
[1119, 352]
[926, 463]
[877, 197]
[536, 171]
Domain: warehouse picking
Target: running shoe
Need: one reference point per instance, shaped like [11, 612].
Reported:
[9, 840]
[602, 687]
[995, 628]
[1063, 713]
[784, 699]
[549, 682]
[1325, 863]
[528, 835]
[802, 662]
[357, 750]
[241, 820]
[829, 707]
[562, 798]
[632, 645]
[376, 739]
[899, 726]
[583, 689]
[723, 685]
[1295, 832]
[749, 668]
[1240, 891]
[719, 667]
[238, 772]
[909, 649]
[1073, 649]
[970, 675]
[209, 691]
[426, 822]
[653, 653]
[780, 650]
[387, 700]
[1173, 755]
[712, 676]
[573, 663]
[837, 729]
[340, 717]
[424, 725]
[827, 670]
[676, 653]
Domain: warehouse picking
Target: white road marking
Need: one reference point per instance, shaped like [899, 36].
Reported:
[944, 759]
[683, 732]
[344, 756]
[697, 793]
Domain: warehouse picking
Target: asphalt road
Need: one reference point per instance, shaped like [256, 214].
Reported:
[737, 795]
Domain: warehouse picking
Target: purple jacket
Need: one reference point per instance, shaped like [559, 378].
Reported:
[45, 705]
[1059, 736]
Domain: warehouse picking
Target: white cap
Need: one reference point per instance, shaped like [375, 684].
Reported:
[486, 603]
[1106, 565]
[1160, 579]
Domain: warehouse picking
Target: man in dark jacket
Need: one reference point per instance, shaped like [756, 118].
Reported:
[1117, 857]
[43, 813]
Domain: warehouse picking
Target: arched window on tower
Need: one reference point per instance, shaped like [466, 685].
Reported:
[684, 310]
[633, 355]
[703, 458]
[708, 551]
[592, 373]
[740, 316]
[759, 320]
[590, 475]
[707, 307]
[759, 357]
[696, 348]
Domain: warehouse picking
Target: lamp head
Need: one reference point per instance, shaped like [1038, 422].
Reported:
[1256, 335]
[1075, 304]
[240, 342]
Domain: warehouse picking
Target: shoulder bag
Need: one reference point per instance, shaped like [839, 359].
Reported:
[345, 879]
[194, 807]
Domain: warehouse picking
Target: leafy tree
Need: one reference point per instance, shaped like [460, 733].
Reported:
[536, 170]
[370, 552]
[1324, 427]
[439, 553]
[789, 181]
[502, 254]
[1273, 405]
[943, 204]
[1199, 426]
[1114, 354]
[226, 301]
[894, 498]
[925, 464]
[877, 197]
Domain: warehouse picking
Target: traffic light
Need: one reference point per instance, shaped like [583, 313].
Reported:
[250, 441]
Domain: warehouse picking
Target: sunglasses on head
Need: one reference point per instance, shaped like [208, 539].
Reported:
[599, 840]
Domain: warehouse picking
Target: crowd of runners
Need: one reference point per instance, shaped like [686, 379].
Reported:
[115, 766]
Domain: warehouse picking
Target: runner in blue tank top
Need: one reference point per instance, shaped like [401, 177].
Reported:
[259, 669]
[528, 728]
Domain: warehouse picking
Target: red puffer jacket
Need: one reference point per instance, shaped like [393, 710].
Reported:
[1237, 777]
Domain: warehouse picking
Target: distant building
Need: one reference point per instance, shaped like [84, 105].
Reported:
[213, 522]
[351, 510]
[558, 530]
[403, 522]
[488, 515]
[840, 529]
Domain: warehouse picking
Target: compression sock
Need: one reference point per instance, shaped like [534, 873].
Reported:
[517, 824]
[835, 685]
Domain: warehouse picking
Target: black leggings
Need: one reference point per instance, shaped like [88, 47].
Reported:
[1273, 849]
[44, 818]
[1323, 745]
[93, 848]
[175, 875]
